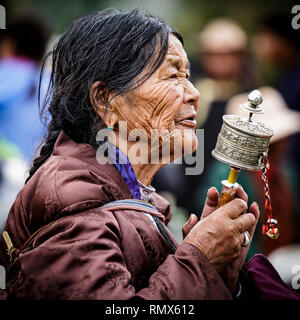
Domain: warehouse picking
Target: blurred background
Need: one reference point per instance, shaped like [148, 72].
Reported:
[234, 47]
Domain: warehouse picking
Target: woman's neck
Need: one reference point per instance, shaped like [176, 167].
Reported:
[145, 172]
[140, 160]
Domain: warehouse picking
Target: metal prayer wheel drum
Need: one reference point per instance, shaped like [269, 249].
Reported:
[242, 142]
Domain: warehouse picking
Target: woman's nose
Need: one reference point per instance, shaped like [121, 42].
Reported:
[191, 95]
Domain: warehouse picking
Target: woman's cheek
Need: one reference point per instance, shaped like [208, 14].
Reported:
[171, 99]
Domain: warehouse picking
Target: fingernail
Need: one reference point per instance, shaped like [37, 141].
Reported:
[211, 188]
[256, 204]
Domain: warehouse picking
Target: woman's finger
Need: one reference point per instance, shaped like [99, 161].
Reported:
[240, 193]
[189, 225]
[254, 209]
[245, 222]
[211, 202]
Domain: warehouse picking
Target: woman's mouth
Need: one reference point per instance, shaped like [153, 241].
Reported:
[187, 121]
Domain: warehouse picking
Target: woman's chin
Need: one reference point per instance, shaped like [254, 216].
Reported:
[188, 146]
[176, 143]
[190, 141]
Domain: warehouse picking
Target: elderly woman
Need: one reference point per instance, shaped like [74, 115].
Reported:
[66, 237]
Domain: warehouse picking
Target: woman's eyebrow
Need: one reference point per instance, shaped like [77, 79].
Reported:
[176, 62]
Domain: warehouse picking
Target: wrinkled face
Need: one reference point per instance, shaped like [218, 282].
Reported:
[166, 101]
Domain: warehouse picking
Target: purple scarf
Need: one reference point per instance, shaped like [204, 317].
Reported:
[121, 162]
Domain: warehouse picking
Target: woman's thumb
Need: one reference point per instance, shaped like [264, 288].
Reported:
[211, 202]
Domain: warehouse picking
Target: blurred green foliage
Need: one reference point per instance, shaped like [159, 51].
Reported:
[188, 16]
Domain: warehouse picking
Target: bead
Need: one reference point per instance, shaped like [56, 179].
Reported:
[255, 97]
[273, 233]
[272, 220]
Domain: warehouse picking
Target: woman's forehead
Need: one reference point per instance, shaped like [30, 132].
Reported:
[176, 54]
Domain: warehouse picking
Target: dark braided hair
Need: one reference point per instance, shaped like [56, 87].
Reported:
[119, 49]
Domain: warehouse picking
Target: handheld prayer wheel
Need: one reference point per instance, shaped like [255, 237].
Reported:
[243, 144]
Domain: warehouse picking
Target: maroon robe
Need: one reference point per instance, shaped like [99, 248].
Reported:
[93, 253]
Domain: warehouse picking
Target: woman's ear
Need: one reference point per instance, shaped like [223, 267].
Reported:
[106, 113]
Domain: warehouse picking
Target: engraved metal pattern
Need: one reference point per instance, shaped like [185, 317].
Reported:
[256, 128]
[241, 144]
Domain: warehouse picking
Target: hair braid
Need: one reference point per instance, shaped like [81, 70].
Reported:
[46, 150]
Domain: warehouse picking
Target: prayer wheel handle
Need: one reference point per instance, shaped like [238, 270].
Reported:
[229, 187]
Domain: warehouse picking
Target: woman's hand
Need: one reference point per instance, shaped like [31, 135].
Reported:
[231, 271]
[219, 233]
[210, 205]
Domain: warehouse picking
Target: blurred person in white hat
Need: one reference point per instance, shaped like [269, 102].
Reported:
[277, 114]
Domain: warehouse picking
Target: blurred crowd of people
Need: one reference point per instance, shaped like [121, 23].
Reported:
[229, 65]
[22, 47]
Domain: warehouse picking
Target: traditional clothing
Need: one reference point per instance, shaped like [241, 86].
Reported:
[84, 251]
[94, 253]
